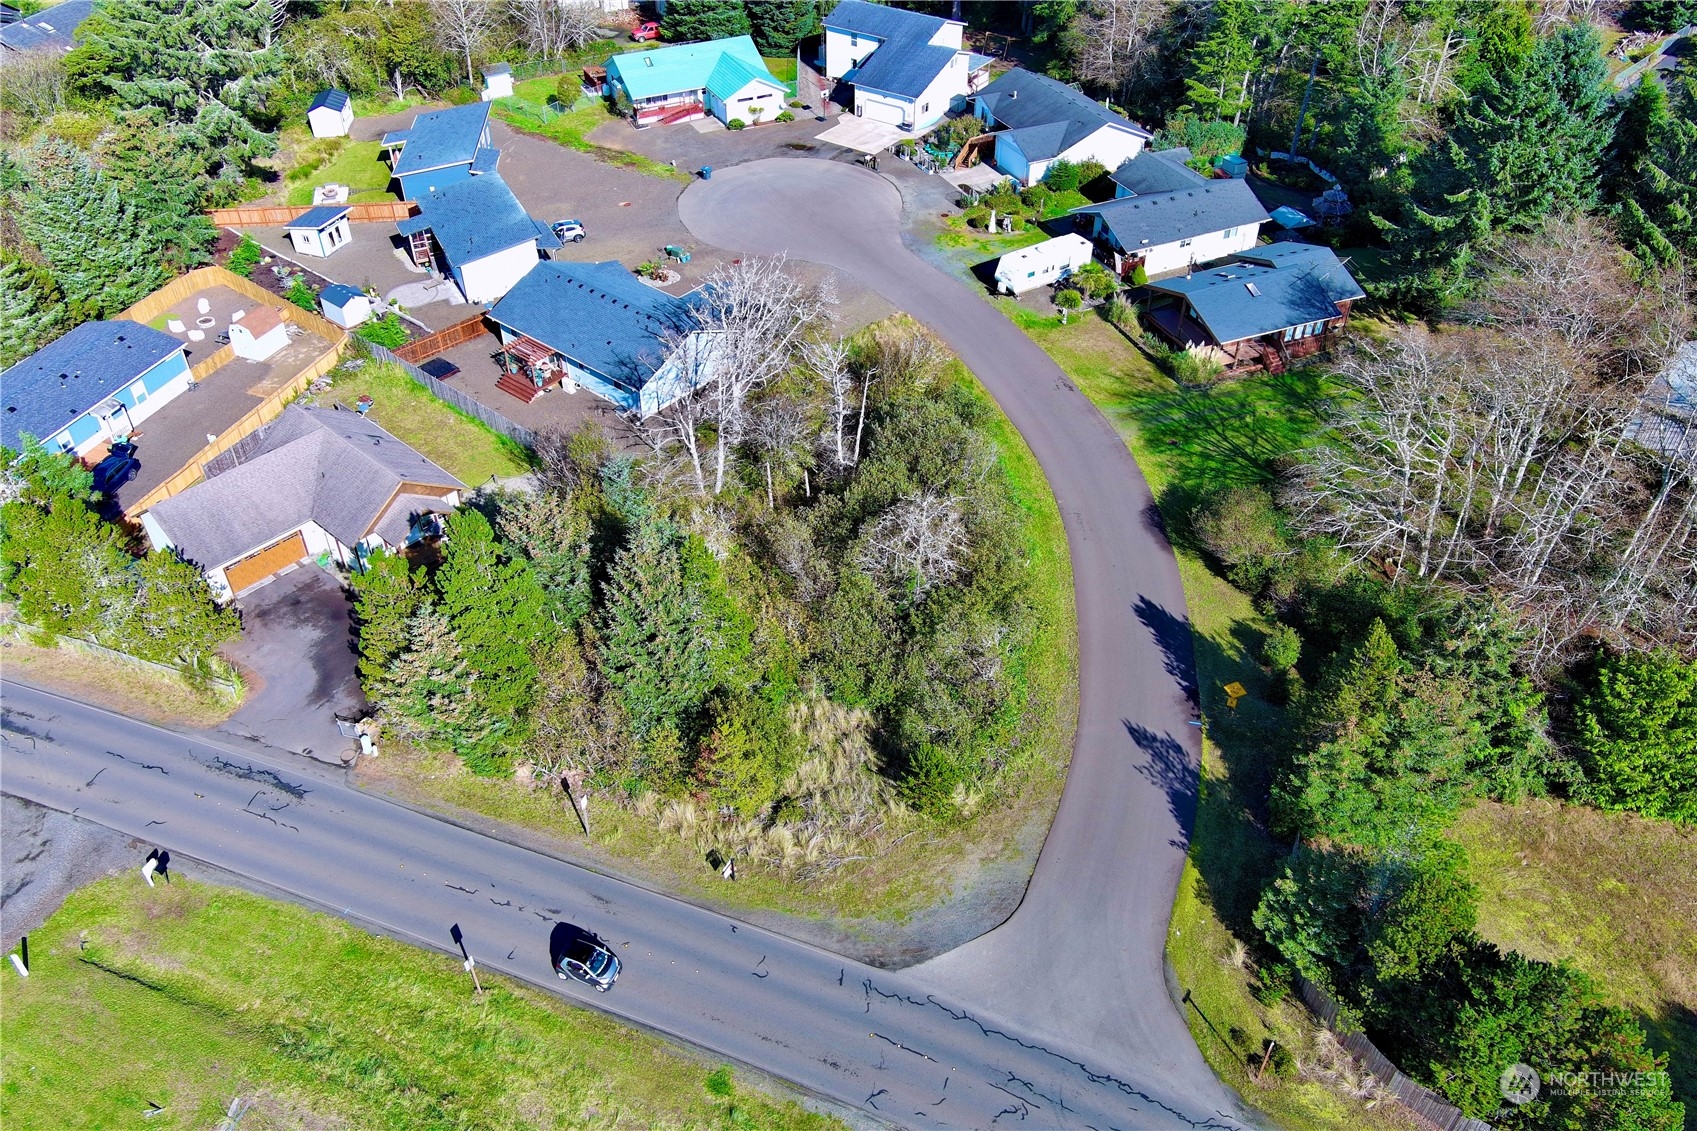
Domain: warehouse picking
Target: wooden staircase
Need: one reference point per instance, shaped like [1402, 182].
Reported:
[679, 114]
[518, 387]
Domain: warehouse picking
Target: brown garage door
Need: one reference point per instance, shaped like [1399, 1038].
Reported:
[255, 568]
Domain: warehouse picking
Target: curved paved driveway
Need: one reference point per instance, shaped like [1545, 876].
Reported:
[1081, 959]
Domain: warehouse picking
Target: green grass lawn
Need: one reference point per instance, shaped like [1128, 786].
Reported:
[782, 67]
[188, 994]
[336, 160]
[1613, 893]
[572, 127]
[461, 444]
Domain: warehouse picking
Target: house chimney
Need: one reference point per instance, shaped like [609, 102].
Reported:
[1012, 94]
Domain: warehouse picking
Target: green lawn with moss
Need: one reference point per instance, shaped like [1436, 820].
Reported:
[336, 160]
[189, 994]
[531, 111]
[781, 66]
[461, 444]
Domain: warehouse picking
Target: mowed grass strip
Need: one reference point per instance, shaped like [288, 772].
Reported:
[106, 681]
[1613, 893]
[571, 127]
[455, 441]
[338, 161]
[189, 994]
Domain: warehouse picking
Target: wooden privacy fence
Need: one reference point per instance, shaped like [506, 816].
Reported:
[442, 391]
[1430, 1107]
[203, 278]
[443, 340]
[273, 214]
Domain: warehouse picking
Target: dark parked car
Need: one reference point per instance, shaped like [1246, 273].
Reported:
[117, 469]
[587, 960]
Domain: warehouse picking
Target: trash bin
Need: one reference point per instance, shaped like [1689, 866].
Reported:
[707, 172]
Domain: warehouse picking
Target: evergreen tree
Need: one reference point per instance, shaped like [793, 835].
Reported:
[1223, 65]
[656, 644]
[66, 570]
[31, 311]
[210, 65]
[1655, 171]
[1500, 37]
[1637, 728]
[162, 172]
[780, 24]
[176, 620]
[39, 476]
[689, 21]
[100, 252]
[386, 597]
[431, 693]
[553, 534]
[498, 613]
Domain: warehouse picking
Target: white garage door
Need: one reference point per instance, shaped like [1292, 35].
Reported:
[878, 110]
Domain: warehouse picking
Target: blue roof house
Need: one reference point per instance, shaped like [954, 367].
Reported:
[330, 113]
[1269, 306]
[96, 383]
[723, 77]
[1038, 121]
[905, 69]
[477, 233]
[597, 326]
[51, 29]
[440, 148]
[1168, 218]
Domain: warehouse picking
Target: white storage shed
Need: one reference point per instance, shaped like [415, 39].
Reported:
[330, 114]
[319, 230]
[1041, 264]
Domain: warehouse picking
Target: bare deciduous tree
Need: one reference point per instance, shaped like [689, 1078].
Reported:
[551, 28]
[829, 360]
[462, 26]
[1119, 42]
[920, 540]
[34, 85]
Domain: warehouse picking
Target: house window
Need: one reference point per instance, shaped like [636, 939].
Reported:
[1184, 243]
[925, 109]
[1229, 233]
[854, 40]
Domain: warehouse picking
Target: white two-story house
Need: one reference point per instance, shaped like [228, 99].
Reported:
[1038, 121]
[903, 68]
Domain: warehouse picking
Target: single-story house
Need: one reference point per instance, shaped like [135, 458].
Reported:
[905, 68]
[1169, 218]
[1038, 121]
[319, 231]
[599, 327]
[314, 483]
[98, 382]
[497, 82]
[260, 333]
[723, 77]
[330, 114]
[1260, 311]
[51, 29]
[477, 233]
[441, 148]
[346, 306]
[1042, 264]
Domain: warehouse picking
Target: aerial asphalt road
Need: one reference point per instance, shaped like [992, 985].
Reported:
[1081, 959]
[885, 1043]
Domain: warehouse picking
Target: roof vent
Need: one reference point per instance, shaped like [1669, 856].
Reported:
[1254, 290]
[647, 61]
[1012, 94]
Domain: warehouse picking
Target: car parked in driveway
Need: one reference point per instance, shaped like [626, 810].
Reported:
[570, 231]
[590, 962]
[645, 31]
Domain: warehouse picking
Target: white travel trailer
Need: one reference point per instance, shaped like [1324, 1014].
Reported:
[1041, 264]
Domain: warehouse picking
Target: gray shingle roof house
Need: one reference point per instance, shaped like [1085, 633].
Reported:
[907, 68]
[1169, 230]
[441, 147]
[96, 382]
[51, 29]
[482, 233]
[313, 482]
[1156, 171]
[1041, 120]
[1278, 302]
[598, 326]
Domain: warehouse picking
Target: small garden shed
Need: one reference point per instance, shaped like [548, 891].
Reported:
[260, 334]
[497, 82]
[320, 230]
[344, 305]
[331, 114]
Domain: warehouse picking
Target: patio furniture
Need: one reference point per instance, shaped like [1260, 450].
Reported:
[203, 306]
[197, 335]
[175, 325]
